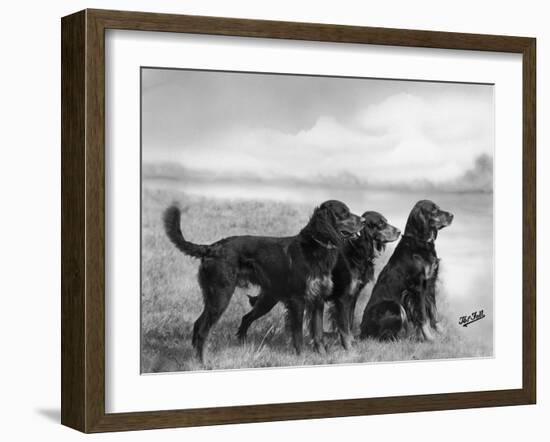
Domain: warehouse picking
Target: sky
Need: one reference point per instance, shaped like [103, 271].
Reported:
[305, 127]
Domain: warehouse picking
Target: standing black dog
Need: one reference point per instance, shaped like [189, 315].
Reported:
[404, 294]
[292, 269]
[354, 269]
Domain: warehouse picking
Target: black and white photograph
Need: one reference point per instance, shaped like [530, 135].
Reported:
[263, 221]
[302, 220]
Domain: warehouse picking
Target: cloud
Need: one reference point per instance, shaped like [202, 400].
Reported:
[394, 141]
[305, 127]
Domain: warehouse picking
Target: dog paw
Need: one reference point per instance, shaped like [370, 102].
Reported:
[241, 338]
[347, 342]
[427, 333]
[321, 348]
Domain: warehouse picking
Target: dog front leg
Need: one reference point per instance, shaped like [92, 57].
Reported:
[343, 308]
[427, 331]
[295, 309]
[317, 327]
[425, 316]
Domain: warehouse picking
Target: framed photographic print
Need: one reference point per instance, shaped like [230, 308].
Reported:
[270, 220]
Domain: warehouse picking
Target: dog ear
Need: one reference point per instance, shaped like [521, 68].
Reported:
[414, 223]
[370, 235]
[380, 246]
[418, 225]
[421, 223]
[322, 226]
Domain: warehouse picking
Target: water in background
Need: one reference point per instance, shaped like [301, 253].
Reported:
[465, 248]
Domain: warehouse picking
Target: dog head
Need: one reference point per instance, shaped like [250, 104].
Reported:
[425, 219]
[378, 228]
[332, 223]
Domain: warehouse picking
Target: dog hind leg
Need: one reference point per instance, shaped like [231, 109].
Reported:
[262, 305]
[218, 285]
[383, 321]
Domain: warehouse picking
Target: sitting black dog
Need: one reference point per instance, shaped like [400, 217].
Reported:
[354, 269]
[404, 294]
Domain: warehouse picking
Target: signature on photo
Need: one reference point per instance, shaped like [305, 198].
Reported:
[467, 320]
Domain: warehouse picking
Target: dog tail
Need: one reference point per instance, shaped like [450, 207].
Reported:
[171, 219]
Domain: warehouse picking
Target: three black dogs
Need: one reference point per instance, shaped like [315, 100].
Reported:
[329, 261]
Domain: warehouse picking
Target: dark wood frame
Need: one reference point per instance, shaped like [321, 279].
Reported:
[83, 220]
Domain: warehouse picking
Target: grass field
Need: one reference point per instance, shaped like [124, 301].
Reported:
[171, 297]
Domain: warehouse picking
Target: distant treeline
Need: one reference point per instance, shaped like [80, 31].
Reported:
[477, 179]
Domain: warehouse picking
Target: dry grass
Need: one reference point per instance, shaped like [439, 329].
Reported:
[171, 297]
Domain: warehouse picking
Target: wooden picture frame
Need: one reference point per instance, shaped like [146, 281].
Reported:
[83, 220]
